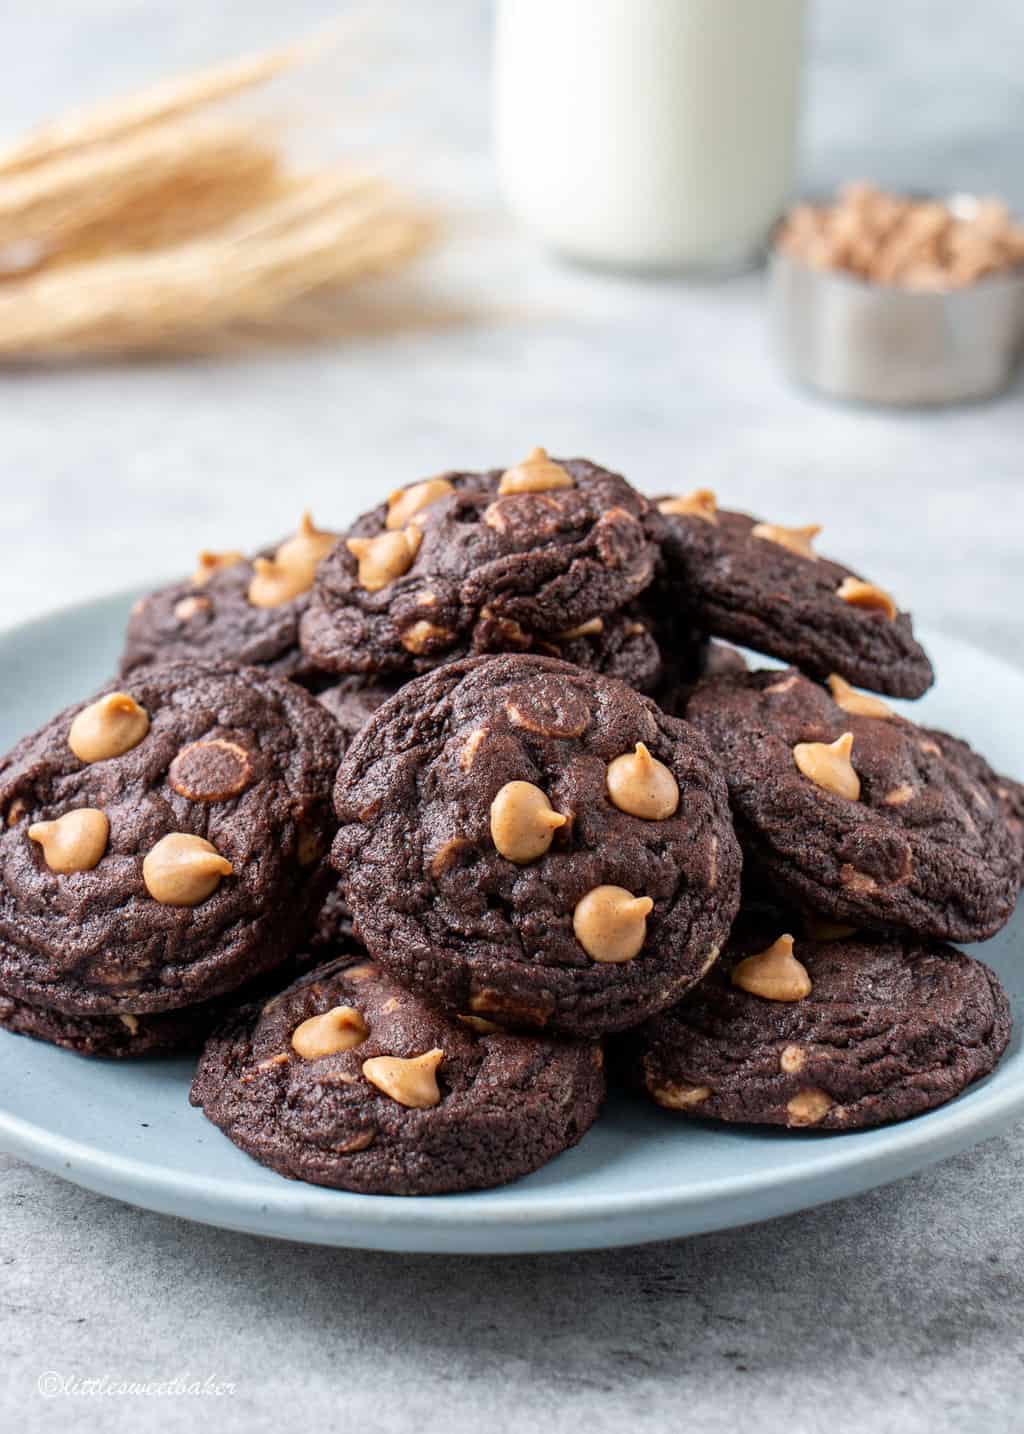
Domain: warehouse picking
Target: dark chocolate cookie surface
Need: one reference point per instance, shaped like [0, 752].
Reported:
[859, 814]
[528, 841]
[347, 1079]
[481, 562]
[165, 842]
[763, 585]
[233, 609]
[890, 1027]
[122, 1037]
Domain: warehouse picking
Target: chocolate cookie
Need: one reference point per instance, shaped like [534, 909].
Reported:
[233, 609]
[829, 1035]
[165, 842]
[481, 562]
[764, 586]
[348, 1080]
[531, 842]
[353, 701]
[122, 1037]
[858, 814]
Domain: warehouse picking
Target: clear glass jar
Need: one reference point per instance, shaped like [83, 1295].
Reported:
[651, 134]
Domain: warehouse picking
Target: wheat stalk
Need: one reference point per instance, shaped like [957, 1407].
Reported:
[307, 241]
[168, 99]
[143, 224]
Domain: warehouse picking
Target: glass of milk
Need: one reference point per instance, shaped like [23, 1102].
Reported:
[649, 134]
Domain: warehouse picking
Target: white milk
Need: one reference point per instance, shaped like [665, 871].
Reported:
[649, 133]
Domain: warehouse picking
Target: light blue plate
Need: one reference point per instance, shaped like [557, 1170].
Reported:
[128, 1131]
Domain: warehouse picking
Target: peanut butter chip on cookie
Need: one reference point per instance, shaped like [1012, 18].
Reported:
[273, 584]
[190, 607]
[183, 870]
[209, 563]
[808, 1107]
[536, 474]
[411, 1082]
[678, 1096]
[642, 786]
[796, 540]
[306, 548]
[418, 636]
[701, 503]
[857, 703]
[384, 558]
[611, 923]
[591, 628]
[211, 771]
[292, 570]
[340, 1029]
[829, 766]
[775, 974]
[866, 595]
[523, 822]
[74, 842]
[108, 728]
[405, 503]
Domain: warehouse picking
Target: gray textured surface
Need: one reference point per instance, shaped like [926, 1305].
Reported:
[897, 1311]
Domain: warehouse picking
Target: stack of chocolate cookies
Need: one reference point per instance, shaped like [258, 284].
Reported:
[415, 824]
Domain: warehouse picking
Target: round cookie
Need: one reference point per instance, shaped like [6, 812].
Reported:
[902, 828]
[165, 842]
[764, 586]
[353, 701]
[508, 848]
[890, 1027]
[233, 609]
[348, 1080]
[480, 562]
[122, 1037]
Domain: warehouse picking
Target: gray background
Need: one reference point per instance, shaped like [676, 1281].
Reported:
[900, 1310]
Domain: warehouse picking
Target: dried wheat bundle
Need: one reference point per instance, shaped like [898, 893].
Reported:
[137, 226]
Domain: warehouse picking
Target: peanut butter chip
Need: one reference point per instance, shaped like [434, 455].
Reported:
[899, 796]
[273, 584]
[74, 842]
[866, 595]
[829, 766]
[679, 1096]
[405, 503]
[701, 503]
[292, 570]
[792, 1060]
[775, 974]
[611, 923]
[857, 703]
[306, 549]
[418, 636]
[108, 728]
[796, 540]
[339, 1029]
[642, 786]
[591, 628]
[384, 558]
[209, 563]
[523, 822]
[412, 1082]
[211, 771]
[535, 474]
[183, 870]
[190, 607]
[808, 1107]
